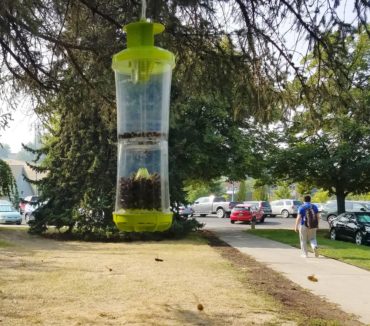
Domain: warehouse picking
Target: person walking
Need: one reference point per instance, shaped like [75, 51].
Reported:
[307, 223]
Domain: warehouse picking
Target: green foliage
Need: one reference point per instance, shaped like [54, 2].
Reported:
[260, 192]
[365, 197]
[242, 193]
[303, 188]
[198, 189]
[320, 196]
[8, 186]
[180, 228]
[328, 144]
[109, 233]
[282, 191]
[25, 155]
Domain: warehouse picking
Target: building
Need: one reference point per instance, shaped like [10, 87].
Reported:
[19, 170]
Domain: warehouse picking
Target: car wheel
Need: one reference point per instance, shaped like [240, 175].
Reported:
[262, 220]
[333, 234]
[359, 238]
[331, 218]
[19, 223]
[232, 221]
[285, 213]
[202, 215]
[220, 213]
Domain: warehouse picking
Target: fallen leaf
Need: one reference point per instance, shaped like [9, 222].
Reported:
[312, 278]
[200, 307]
[110, 269]
[158, 259]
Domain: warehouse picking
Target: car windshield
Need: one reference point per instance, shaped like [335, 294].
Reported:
[242, 208]
[364, 218]
[6, 208]
[297, 202]
[264, 204]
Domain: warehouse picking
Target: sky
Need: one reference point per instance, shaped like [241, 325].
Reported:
[21, 129]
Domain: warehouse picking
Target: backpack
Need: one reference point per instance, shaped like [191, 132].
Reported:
[311, 218]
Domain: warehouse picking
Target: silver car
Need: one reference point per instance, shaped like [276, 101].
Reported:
[8, 214]
[285, 207]
[330, 213]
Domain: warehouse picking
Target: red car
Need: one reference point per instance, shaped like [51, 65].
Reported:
[245, 213]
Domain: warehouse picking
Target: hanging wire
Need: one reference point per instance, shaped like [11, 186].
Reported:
[143, 9]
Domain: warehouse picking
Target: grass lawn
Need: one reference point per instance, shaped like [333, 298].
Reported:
[344, 251]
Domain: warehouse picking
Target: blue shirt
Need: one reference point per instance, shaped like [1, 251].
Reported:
[302, 210]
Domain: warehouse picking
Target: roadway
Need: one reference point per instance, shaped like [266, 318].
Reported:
[278, 222]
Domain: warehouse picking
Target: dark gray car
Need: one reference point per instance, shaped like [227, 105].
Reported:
[261, 204]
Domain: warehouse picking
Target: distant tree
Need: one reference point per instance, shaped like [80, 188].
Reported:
[242, 193]
[365, 196]
[328, 144]
[196, 189]
[320, 196]
[4, 150]
[303, 188]
[260, 192]
[282, 191]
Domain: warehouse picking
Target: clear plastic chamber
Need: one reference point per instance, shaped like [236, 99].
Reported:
[142, 197]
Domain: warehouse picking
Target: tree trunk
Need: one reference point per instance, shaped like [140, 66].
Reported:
[341, 205]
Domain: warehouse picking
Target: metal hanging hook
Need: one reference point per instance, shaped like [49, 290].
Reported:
[143, 9]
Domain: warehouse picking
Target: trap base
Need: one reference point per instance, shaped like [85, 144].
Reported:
[142, 221]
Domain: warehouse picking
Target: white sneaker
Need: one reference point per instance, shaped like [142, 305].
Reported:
[304, 256]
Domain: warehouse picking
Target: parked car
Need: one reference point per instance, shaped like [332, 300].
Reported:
[319, 206]
[186, 211]
[21, 205]
[246, 213]
[27, 200]
[30, 209]
[8, 214]
[263, 205]
[211, 205]
[285, 207]
[353, 225]
[330, 209]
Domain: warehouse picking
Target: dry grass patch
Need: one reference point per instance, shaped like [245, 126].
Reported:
[47, 282]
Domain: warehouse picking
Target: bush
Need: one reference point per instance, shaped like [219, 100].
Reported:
[180, 228]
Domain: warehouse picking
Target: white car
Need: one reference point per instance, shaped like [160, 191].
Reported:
[8, 214]
[285, 207]
[28, 210]
[186, 211]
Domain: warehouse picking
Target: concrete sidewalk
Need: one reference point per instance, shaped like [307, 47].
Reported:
[340, 283]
